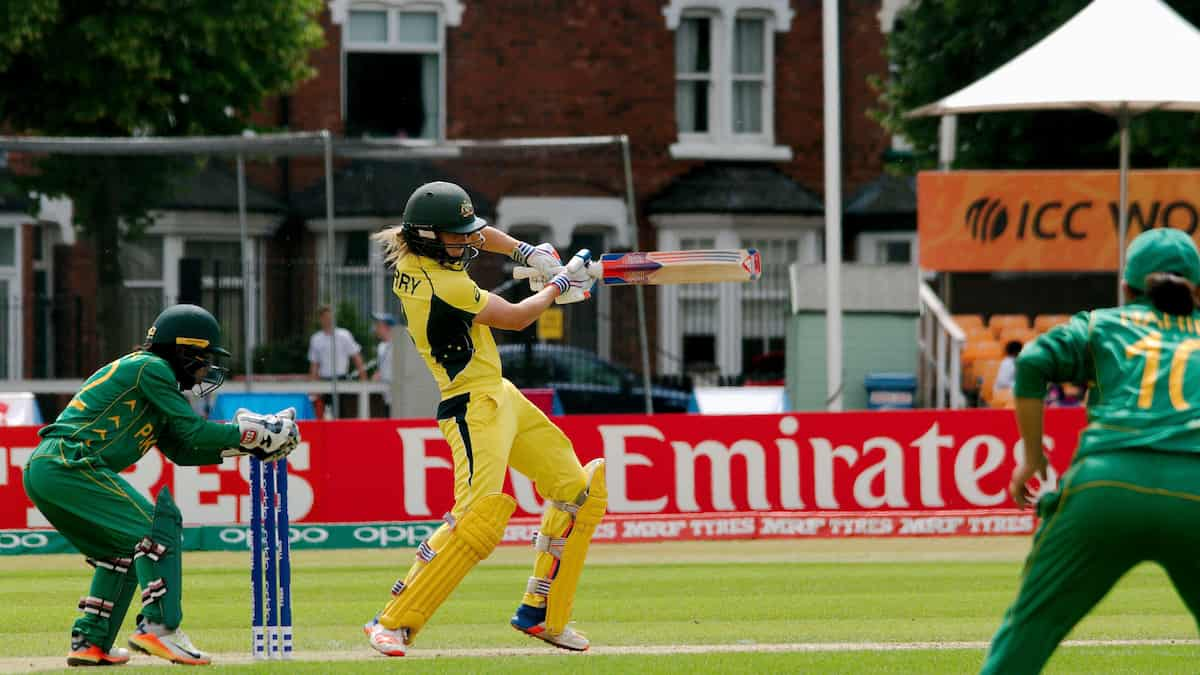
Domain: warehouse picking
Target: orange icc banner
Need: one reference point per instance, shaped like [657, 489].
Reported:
[983, 221]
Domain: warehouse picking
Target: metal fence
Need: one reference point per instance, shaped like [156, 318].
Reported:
[263, 234]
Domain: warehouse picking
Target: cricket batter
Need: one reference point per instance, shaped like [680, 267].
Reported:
[487, 422]
[1133, 491]
[124, 409]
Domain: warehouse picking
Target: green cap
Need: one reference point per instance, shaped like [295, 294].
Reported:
[1161, 250]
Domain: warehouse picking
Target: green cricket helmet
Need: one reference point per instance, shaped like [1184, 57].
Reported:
[189, 338]
[440, 207]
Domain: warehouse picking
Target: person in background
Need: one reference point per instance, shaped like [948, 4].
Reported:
[321, 350]
[324, 345]
[1006, 375]
[383, 353]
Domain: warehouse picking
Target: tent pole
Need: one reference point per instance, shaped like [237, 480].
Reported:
[1123, 118]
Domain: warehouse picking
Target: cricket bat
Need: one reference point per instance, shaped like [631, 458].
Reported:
[658, 268]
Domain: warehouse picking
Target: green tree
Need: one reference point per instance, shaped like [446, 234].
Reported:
[939, 46]
[124, 68]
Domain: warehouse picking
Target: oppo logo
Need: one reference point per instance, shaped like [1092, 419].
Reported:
[240, 536]
[12, 540]
[392, 535]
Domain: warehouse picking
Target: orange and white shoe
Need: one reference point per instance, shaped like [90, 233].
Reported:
[385, 641]
[172, 645]
[85, 654]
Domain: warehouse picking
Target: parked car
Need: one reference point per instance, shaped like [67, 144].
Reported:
[584, 382]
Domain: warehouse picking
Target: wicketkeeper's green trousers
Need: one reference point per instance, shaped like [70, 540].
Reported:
[1111, 512]
[115, 527]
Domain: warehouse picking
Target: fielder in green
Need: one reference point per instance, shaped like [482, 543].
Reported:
[1132, 493]
[124, 409]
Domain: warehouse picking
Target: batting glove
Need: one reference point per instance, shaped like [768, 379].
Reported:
[575, 281]
[542, 258]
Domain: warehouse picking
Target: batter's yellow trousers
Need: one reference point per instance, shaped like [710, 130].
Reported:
[489, 432]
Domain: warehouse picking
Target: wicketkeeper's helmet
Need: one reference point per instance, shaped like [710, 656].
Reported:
[441, 207]
[189, 338]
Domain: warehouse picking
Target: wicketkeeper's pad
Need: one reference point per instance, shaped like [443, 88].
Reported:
[447, 557]
[158, 560]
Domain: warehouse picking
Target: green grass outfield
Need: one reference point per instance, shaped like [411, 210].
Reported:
[853, 606]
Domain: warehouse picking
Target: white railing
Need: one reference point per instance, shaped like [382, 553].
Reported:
[941, 342]
[362, 390]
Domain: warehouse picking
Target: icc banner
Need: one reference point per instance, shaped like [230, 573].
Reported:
[903, 463]
[983, 221]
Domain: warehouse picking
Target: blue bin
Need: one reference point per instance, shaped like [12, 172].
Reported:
[891, 391]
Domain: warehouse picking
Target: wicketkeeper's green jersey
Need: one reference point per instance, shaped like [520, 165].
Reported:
[129, 406]
[1142, 389]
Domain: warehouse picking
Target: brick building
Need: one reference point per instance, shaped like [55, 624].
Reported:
[721, 100]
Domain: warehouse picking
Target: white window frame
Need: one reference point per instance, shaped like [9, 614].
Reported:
[16, 293]
[726, 231]
[560, 217]
[449, 14]
[867, 243]
[176, 227]
[720, 142]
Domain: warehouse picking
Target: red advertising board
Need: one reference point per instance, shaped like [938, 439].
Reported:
[799, 463]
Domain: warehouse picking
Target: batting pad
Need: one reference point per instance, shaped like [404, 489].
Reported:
[471, 539]
[561, 598]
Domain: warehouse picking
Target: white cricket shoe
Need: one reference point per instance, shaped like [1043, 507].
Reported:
[385, 641]
[532, 622]
[172, 645]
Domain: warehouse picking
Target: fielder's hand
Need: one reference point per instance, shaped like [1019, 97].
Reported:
[575, 281]
[268, 437]
[542, 258]
[1019, 486]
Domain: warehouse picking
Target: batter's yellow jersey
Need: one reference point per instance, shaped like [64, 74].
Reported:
[441, 305]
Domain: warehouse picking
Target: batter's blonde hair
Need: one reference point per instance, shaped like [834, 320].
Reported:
[394, 246]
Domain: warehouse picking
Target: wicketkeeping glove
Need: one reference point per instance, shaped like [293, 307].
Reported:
[268, 437]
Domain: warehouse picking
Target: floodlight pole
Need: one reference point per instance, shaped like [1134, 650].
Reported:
[833, 205]
[327, 138]
[630, 207]
[1123, 118]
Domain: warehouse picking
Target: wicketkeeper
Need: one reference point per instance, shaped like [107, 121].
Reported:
[487, 422]
[124, 409]
[1132, 493]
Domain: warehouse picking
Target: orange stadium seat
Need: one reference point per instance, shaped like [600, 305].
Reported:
[1044, 322]
[1022, 335]
[999, 322]
[978, 334]
[975, 351]
[984, 371]
[968, 321]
